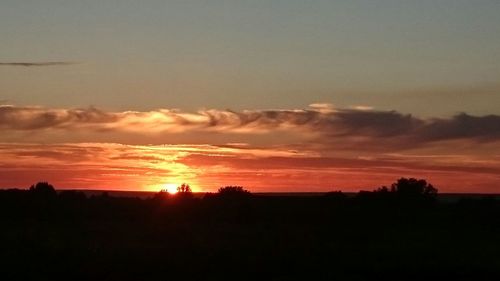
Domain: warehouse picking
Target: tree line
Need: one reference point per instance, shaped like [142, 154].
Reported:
[403, 188]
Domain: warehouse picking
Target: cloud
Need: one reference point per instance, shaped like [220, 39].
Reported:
[362, 107]
[31, 64]
[463, 126]
[384, 164]
[319, 124]
[36, 118]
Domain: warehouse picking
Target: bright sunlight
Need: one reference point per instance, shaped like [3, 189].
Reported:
[171, 188]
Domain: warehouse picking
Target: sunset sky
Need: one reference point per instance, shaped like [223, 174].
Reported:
[274, 95]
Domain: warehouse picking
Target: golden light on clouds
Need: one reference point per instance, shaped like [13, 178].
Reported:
[316, 148]
[208, 167]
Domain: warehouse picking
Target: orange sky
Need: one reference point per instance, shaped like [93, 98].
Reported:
[318, 148]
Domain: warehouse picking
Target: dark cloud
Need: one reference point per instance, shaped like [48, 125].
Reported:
[35, 118]
[30, 64]
[341, 127]
[462, 126]
[371, 123]
[348, 123]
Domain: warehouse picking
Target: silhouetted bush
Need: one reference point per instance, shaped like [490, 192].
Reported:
[233, 192]
[162, 195]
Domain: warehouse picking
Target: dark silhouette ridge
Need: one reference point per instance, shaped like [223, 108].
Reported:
[397, 233]
[336, 195]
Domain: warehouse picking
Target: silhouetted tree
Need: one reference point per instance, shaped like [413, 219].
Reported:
[43, 190]
[184, 191]
[413, 187]
[184, 188]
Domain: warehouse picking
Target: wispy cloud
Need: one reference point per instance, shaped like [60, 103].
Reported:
[351, 126]
[319, 146]
[34, 64]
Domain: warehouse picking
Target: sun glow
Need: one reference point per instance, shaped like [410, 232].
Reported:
[171, 188]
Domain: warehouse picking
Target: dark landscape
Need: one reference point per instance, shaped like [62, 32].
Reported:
[397, 233]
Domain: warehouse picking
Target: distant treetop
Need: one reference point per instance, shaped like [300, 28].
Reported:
[412, 187]
[43, 189]
[184, 188]
[409, 187]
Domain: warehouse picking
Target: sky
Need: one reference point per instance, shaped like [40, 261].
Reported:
[275, 95]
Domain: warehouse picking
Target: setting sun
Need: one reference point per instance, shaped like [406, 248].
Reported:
[171, 188]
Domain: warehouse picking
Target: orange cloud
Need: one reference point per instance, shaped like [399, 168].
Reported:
[207, 167]
[363, 125]
[317, 148]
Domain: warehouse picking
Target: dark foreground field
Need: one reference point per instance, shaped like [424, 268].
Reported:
[367, 237]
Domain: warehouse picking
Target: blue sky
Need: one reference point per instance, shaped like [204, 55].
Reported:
[401, 55]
